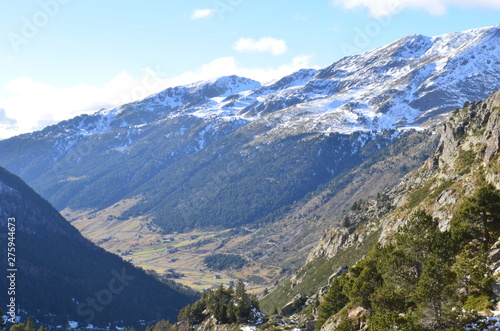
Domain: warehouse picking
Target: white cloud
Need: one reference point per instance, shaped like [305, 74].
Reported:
[383, 8]
[31, 105]
[202, 13]
[228, 66]
[34, 104]
[266, 44]
[6, 123]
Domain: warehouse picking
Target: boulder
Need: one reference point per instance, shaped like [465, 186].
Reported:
[342, 270]
[293, 306]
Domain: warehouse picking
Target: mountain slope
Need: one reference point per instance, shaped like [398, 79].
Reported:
[287, 242]
[465, 160]
[402, 84]
[232, 152]
[63, 277]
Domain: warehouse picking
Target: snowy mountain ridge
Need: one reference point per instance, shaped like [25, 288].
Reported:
[410, 82]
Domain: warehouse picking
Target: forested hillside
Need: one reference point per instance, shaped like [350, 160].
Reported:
[61, 276]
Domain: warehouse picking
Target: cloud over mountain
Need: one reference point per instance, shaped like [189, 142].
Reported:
[436, 7]
[266, 44]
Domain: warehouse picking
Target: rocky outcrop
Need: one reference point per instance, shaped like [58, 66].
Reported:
[333, 241]
[210, 324]
[340, 271]
[356, 317]
[294, 306]
[367, 213]
[478, 122]
[468, 151]
[494, 257]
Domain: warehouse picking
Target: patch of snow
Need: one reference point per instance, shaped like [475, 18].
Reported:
[493, 323]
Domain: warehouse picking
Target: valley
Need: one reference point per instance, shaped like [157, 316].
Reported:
[280, 188]
[272, 250]
[141, 243]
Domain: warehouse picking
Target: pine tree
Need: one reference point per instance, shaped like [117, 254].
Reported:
[18, 327]
[345, 325]
[333, 301]
[414, 239]
[243, 303]
[474, 276]
[218, 301]
[392, 321]
[232, 316]
[30, 324]
[197, 312]
[363, 282]
[185, 316]
[254, 301]
[399, 278]
[435, 292]
[477, 216]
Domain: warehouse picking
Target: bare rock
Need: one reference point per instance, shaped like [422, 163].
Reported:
[340, 271]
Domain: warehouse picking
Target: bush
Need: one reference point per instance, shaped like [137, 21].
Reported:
[478, 302]
[464, 161]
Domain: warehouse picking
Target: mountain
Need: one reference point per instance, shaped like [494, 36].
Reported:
[459, 189]
[59, 277]
[232, 153]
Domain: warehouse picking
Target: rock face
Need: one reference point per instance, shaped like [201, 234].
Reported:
[481, 116]
[210, 324]
[356, 316]
[332, 242]
[468, 150]
[340, 271]
[342, 238]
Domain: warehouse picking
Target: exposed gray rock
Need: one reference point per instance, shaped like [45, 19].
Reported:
[494, 255]
[357, 315]
[293, 306]
[342, 270]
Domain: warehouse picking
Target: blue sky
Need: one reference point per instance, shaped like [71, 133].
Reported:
[61, 58]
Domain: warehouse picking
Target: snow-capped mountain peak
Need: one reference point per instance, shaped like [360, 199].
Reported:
[224, 86]
[410, 82]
